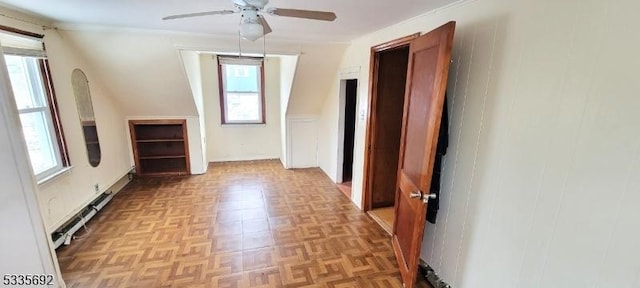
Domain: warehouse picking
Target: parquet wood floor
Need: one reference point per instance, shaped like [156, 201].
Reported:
[384, 217]
[345, 188]
[243, 224]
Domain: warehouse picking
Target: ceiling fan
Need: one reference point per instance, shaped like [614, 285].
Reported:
[252, 24]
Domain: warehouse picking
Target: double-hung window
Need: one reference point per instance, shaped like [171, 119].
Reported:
[241, 90]
[26, 62]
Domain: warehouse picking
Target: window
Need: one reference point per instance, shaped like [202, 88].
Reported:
[31, 84]
[241, 90]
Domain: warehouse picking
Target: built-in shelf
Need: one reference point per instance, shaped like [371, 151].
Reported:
[160, 147]
[91, 141]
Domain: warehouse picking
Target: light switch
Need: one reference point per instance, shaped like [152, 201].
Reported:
[362, 113]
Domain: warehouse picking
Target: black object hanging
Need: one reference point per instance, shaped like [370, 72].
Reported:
[441, 150]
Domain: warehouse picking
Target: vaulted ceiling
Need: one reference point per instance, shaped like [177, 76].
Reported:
[355, 17]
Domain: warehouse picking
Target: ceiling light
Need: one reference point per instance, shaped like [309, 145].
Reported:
[251, 31]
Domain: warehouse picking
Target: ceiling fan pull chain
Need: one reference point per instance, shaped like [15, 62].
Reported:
[239, 44]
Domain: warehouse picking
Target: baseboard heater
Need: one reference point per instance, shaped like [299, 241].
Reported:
[64, 235]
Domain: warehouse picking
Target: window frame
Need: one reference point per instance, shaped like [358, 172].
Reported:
[45, 71]
[223, 91]
[51, 111]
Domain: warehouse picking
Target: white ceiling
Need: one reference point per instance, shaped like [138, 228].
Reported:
[355, 17]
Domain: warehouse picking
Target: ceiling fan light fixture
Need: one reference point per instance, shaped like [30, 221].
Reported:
[251, 31]
[253, 24]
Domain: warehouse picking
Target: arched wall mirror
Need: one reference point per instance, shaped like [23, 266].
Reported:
[87, 118]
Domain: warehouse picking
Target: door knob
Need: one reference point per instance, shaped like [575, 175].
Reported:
[426, 197]
[415, 195]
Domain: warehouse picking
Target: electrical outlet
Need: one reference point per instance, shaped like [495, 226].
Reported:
[96, 187]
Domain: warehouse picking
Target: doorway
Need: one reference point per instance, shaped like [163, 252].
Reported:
[349, 129]
[388, 82]
[349, 88]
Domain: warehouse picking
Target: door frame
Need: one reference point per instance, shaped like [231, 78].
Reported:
[352, 73]
[370, 136]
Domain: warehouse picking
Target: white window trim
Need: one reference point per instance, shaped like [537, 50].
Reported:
[46, 110]
[27, 46]
[222, 62]
[48, 179]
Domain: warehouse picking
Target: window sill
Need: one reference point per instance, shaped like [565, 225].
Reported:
[53, 176]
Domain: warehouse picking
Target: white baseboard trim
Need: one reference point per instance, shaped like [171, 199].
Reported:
[238, 159]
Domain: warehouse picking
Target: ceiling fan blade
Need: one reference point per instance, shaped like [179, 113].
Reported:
[307, 14]
[265, 25]
[220, 12]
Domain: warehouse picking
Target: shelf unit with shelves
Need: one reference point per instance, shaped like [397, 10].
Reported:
[160, 147]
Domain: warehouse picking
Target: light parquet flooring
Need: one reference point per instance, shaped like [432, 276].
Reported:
[384, 217]
[243, 224]
[345, 188]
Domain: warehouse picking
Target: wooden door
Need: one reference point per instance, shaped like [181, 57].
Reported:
[429, 60]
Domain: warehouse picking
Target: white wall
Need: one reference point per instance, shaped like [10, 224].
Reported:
[302, 137]
[241, 142]
[288, 67]
[150, 77]
[331, 125]
[541, 181]
[317, 65]
[64, 196]
[329, 134]
[191, 62]
[144, 71]
[25, 247]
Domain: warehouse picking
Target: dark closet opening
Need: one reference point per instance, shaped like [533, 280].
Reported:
[392, 78]
[349, 129]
